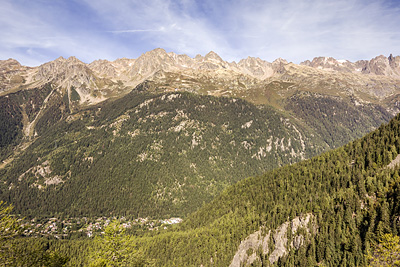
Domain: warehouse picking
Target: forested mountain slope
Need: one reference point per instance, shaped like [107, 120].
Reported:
[150, 155]
[351, 194]
[83, 139]
[160, 154]
[330, 210]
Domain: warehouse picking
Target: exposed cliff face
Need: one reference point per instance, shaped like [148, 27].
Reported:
[367, 81]
[65, 72]
[11, 74]
[79, 84]
[256, 67]
[104, 68]
[329, 63]
[273, 244]
[380, 65]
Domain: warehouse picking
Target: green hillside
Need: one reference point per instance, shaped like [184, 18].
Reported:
[348, 198]
[350, 191]
[150, 155]
[160, 154]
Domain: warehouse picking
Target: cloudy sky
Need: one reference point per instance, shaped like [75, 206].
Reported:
[37, 31]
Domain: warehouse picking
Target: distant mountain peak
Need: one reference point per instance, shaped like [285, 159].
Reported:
[280, 60]
[10, 61]
[159, 65]
[73, 59]
[380, 65]
[213, 55]
[60, 58]
[155, 53]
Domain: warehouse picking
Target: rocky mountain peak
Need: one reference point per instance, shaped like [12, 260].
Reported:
[155, 53]
[320, 61]
[213, 56]
[278, 65]
[10, 62]
[103, 67]
[394, 62]
[380, 65]
[99, 62]
[9, 65]
[67, 73]
[170, 68]
[11, 72]
[149, 63]
[331, 64]
[211, 61]
[251, 61]
[59, 59]
[123, 62]
[279, 61]
[256, 67]
[74, 60]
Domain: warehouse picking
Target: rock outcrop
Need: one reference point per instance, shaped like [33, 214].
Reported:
[250, 78]
[273, 244]
[380, 65]
[11, 74]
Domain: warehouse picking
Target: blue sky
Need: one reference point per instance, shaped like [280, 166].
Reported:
[38, 31]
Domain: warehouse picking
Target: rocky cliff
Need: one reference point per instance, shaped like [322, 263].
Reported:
[276, 243]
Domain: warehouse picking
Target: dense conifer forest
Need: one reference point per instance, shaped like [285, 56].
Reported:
[156, 155]
[352, 192]
[168, 160]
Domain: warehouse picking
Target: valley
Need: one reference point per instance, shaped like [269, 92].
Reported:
[274, 153]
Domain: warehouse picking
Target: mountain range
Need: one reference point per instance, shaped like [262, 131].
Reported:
[230, 147]
[170, 131]
[95, 82]
[340, 208]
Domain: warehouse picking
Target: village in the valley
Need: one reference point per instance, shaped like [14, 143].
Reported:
[90, 227]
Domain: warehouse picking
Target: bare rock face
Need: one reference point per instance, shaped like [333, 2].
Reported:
[256, 67]
[103, 68]
[329, 63]
[383, 66]
[253, 242]
[394, 63]
[117, 70]
[184, 61]
[64, 71]
[157, 60]
[9, 65]
[149, 63]
[260, 241]
[71, 75]
[380, 65]
[378, 78]
[211, 61]
[11, 74]
[279, 65]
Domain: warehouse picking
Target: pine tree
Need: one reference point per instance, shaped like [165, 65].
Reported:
[115, 248]
[8, 229]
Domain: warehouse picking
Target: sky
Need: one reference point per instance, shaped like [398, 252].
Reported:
[37, 31]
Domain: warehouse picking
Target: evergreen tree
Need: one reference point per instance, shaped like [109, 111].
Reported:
[115, 248]
[8, 230]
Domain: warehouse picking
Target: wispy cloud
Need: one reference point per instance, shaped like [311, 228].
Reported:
[39, 31]
[135, 31]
